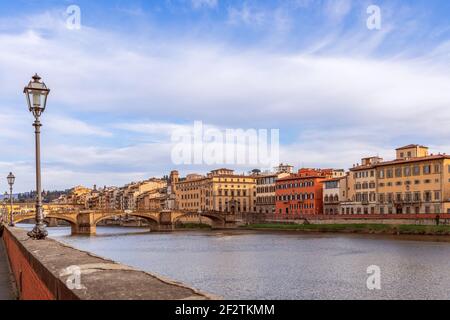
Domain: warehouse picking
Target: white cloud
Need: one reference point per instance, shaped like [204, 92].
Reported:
[70, 126]
[246, 14]
[336, 10]
[204, 3]
[364, 105]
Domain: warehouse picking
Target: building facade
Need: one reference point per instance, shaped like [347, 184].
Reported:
[334, 193]
[265, 191]
[221, 190]
[302, 193]
[362, 188]
[415, 182]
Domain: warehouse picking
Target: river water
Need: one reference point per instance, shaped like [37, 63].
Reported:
[271, 265]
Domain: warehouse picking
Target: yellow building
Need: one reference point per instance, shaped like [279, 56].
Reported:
[415, 182]
[221, 190]
[361, 188]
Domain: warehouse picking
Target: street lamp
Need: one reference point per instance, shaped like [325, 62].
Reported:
[4, 210]
[11, 178]
[36, 94]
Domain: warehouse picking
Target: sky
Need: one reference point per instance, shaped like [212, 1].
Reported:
[136, 71]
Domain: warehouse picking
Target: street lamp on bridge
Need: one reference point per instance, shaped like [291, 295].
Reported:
[11, 178]
[36, 94]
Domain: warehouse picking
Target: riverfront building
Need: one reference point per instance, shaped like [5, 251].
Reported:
[335, 192]
[266, 187]
[301, 193]
[415, 182]
[362, 187]
[221, 190]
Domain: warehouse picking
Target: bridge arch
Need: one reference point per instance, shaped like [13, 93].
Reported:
[149, 217]
[20, 218]
[215, 218]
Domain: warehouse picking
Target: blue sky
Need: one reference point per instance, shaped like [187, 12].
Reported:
[137, 70]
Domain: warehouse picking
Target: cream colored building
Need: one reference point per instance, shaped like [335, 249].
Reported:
[335, 192]
[265, 189]
[414, 183]
[221, 190]
[362, 188]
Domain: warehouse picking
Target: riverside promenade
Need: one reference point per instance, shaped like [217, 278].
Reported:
[6, 290]
[50, 270]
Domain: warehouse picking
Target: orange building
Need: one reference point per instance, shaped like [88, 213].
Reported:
[302, 193]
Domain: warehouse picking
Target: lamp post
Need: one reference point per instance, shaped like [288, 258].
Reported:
[4, 210]
[36, 94]
[11, 178]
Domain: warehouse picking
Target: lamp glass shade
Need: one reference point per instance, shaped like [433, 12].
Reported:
[11, 178]
[36, 94]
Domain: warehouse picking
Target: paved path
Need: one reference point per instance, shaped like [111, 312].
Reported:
[6, 292]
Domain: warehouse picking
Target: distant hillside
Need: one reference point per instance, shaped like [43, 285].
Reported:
[47, 196]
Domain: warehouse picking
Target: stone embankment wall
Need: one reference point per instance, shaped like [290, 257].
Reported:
[50, 270]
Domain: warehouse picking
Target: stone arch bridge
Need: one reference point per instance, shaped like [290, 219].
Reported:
[85, 221]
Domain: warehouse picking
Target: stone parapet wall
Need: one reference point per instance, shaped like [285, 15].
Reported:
[46, 269]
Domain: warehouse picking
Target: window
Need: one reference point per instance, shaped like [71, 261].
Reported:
[389, 173]
[381, 173]
[398, 172]
[407, 171]
[437, 195]
[416, 196]
[390, 197]
[416, 170]
[427, 169]
[437, 168]
[408, 197]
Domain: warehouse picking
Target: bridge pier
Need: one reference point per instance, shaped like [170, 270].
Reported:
[52, 222]
[85, 224]
[166, 221]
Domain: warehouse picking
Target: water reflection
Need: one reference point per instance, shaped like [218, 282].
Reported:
[246, 265]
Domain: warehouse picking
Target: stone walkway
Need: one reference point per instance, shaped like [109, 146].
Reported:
[6, 292]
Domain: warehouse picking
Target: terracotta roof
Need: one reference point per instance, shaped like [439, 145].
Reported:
[296, 176]
[420, 159]
[411, 146]
[401, 161]
[335, 179]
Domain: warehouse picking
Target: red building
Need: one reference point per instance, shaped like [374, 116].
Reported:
[301, 194]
